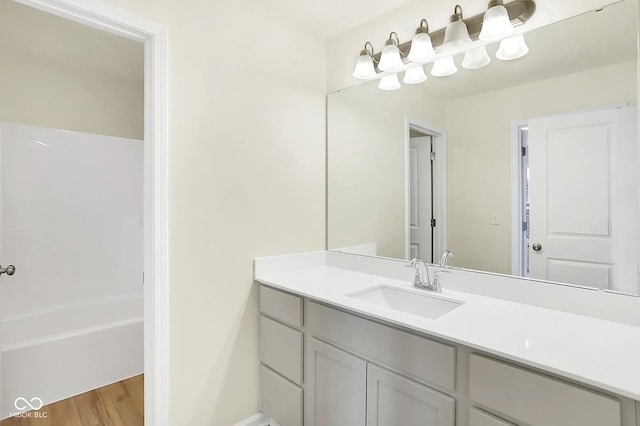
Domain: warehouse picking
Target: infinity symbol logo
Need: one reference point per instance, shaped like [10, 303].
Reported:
[22, 404]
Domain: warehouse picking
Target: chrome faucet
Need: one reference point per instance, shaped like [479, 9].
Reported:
[419, 279]
[445, 256]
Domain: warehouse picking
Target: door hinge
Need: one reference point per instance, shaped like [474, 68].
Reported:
[524, 226]
[143, 278]
[433, 223]
[432, 156]
[523, 151]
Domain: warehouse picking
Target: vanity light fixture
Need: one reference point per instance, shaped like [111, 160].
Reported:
[390, 59]
[496, 24]
[389, 82]
[468, 36]
[512, 48]
[476, 58]
[414, 75]
[444, 67]
[456, 34]
[365, 69]
[421, 45]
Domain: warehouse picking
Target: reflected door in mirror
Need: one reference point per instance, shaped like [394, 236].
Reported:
[583, 189]
[421, 199]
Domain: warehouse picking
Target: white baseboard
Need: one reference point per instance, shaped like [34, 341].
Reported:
[260, 419]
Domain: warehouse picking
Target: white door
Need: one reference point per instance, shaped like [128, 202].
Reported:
[393, 400]
[420, 198]
[583, 194]
[339, 382]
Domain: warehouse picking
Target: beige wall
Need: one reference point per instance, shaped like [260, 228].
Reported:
[366, 164]
[246, 179]
[479, 149]
[43, 92]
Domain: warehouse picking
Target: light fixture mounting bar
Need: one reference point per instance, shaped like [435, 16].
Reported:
[520, 11]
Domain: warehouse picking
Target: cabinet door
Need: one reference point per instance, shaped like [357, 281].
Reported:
[338, 384]
[394, 400]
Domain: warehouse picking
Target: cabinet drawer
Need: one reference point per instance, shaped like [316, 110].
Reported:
[394, 400]
[535, 399]
[414, 356]
[281, 348]
[480, 418]
[281, 306]
[280, 399]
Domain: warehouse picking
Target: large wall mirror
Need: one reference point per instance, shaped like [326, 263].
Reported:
[526, 167]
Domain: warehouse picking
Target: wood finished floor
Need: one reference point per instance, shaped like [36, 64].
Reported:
[119, 404]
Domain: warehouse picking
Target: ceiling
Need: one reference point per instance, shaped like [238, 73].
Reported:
[34, 35]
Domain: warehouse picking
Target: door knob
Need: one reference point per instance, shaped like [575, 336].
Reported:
[537, 247]
[9, 270]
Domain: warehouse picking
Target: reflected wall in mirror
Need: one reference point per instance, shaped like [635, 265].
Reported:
[571, 102]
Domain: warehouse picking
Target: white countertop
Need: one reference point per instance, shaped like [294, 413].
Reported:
[597, 352]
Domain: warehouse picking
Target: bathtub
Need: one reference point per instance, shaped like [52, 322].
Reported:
[67, 350]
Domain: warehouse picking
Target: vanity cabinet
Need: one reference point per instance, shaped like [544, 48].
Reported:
[322, 366]
[348, 390]
[347, 385]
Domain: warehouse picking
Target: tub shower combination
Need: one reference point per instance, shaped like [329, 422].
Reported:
[71, 221]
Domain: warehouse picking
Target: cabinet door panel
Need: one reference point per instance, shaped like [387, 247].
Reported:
[394, 400]
[338, 381]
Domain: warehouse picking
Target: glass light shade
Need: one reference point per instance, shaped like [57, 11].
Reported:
[512, 48]
[421, 48]
[389, 82]
[364, 69]
[414, 75]
[444, 67]
[476, 58]
[390, 58]
[496, 24]
[456, 35]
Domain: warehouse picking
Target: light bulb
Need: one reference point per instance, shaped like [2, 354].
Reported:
[421, 48]
[414, 75]
[496, 24]
[456, 34]
[476, 58]
[389, 82]
[390, 59]
[444, 67]
[512, 48]
[364, 69]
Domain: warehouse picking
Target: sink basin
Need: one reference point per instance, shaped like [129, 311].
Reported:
[410, 302]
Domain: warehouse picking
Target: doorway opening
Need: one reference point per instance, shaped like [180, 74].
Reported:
[426, 192]
[522, 234]
[110, 19]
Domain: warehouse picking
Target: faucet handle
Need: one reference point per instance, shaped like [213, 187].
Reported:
[436, 283]
[445, 256]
